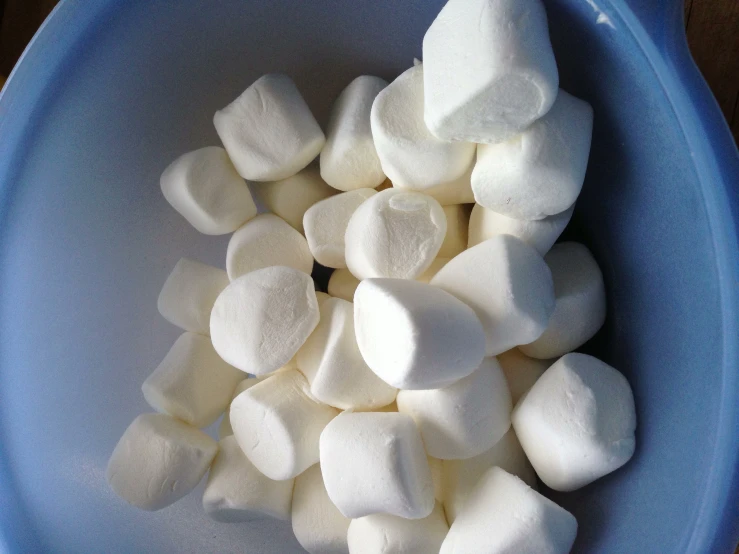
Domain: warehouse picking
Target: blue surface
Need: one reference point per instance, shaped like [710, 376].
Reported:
[111, 91]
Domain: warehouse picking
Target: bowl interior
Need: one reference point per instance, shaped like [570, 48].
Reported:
[88, 241]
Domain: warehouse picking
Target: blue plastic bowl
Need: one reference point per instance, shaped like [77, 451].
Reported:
[110, 92]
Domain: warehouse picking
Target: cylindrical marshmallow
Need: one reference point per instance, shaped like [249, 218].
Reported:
[343, 284]
[457, 224]
[205, 189]
[414, 335]
[224, 428]
[457, 191]
[521, 372]
[349, 159]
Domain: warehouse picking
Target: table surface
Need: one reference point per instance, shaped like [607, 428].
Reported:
[712, 28]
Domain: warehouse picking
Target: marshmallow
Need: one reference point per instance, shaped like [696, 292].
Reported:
[349, 159]
[432, 270]
[457, 191]
[394, 234]
[266, 241]
[189, 293]
[464, 419]
[158, 460]
[321, 297]
[318, 525]
[192, 383]
[461, 477]
[457, 223]
[373, 463]
[540, 172]
[224, 428]
[541, 234]
[269, 131]
[325, 225]
[331, 361]
[415, 336]
[489, 70]
[508, 285]
[436, 466]
[205, 189]
[290, 198]
[580, 302]
[343, 284]
[503, 514]
[237, 491]
[261, 319]
[383, 533]
[411, 156]
[521, 372]
[577, 422]
[278, 423]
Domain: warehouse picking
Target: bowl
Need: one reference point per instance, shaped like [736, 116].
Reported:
[110, 92]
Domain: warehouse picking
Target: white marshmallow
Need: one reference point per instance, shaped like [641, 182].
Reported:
[541, 234]
[349, 159]
[508, 285]
[321, 297]
[415, 336]
[461, 477]
[237, 491]
[540, 172]
[325, 225]
[278, 423]
[505, 515]
[580, 302]
[342, 284]
[489, 69]
[457, 191]
[457, 224]
[577, 422]
[290, 198]
[411, 156]
[224, 428]
[394, 234]
[373, 463]
[432, 270]
[318, 525]
[158, 460]
[464, 419]
[437, 477]
[261, 319]
[266, 241]
[269, 131]
[521, 372]
[205, 189]
[331, 361]
[383, 533]
[189, 293]
[192, 383]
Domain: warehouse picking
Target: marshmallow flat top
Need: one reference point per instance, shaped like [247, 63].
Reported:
[489, 69]
[205, 189]
[269, 131]
[580, 302]
[387, 534]
[237, 491]
[261, 319]
[414, 335]
[521, 372]
[325, 225]
[462, 476]
[577, 422]
[504, 515]
[411, 156]
[509, 286]
[395, 234]
[331, 361]
[457, 224]
[290, 198]
[192, 383]
[464, 419]
[374, 462]
[541, 171]
[266, 241]
[540, 234]
[189, 293]
[318, 525]
[349, 159]
[432, 270]
[277, 424]
[158, 460]
[342, 284]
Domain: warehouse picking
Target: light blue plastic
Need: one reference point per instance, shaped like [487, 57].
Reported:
[111, 91]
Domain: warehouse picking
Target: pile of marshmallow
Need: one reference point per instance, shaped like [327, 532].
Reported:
[412, 408]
